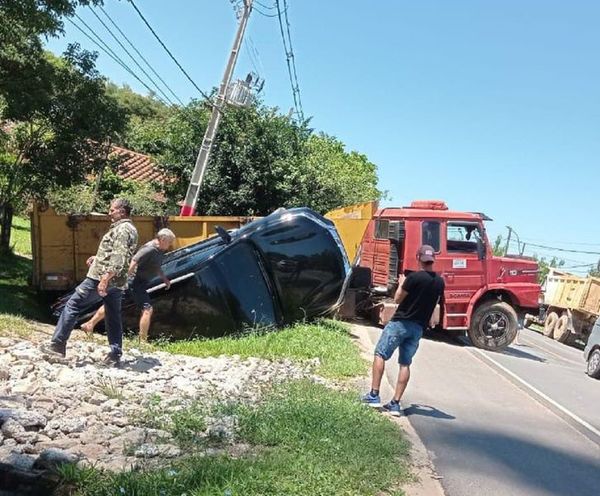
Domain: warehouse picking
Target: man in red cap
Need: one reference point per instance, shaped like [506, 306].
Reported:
[417, 297]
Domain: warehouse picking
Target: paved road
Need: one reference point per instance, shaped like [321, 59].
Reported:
[488, 433]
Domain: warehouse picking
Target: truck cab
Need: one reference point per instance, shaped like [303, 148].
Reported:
[485, 295]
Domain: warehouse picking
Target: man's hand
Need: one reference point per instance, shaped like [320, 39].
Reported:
[90, 261]
[167, 283]
[102, 286]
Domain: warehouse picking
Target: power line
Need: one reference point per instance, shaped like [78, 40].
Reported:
[168, 51]
[565, 250]
[140, 55]
[568, 243]
[106, 49]
[160, 90]
[290, 59]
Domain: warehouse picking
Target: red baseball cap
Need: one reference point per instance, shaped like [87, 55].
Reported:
[426, 254]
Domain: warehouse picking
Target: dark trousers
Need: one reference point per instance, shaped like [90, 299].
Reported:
[84, 293]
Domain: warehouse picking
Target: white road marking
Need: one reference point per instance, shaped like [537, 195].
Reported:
[545, 397]
[544, 349]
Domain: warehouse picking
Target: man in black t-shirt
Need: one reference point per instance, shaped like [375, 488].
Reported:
[417, 298]
[146, 266]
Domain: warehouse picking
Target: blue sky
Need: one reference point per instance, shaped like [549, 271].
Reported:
[490, 106]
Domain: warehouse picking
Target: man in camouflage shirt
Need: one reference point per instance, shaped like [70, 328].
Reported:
[107, 275]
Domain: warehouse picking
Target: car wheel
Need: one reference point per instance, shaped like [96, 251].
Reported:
[561, 329]
[494, 326]
[593, 364]
[550, 323]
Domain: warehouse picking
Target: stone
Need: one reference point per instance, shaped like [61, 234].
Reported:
[68, 425]
[52, 458]
[147, 451]
[25, 386]
[4, 374]
[6, 342]
[92, 451]
[28, 419]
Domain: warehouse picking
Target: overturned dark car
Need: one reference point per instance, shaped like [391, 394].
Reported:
[286, 267]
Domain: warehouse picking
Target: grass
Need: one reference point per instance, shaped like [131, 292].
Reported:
[20, 237]
[327, 340]
[18, 300]
[17, 297]
[308, 440]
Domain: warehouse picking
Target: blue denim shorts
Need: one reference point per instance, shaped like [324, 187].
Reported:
[403, 334]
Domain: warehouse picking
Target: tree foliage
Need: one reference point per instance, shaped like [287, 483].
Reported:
[54, 113]
[261, 160]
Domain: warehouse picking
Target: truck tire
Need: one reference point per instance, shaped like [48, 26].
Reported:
[494, 326]
[550, 323]
[593, 364]
[561, 329]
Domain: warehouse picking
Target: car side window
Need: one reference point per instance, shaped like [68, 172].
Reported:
[430, 234]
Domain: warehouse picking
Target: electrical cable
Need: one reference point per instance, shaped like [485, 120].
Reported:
[168, 51]
[159, 89]
[140, 55]
[289, 54]
[106, 49]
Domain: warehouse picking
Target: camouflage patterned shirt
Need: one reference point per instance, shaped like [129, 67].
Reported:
[115, 252]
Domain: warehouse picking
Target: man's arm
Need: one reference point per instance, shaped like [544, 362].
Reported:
[164, 278]
[400, 295]
[132, 266]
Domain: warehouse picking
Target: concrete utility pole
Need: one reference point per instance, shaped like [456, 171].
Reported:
[191, 197]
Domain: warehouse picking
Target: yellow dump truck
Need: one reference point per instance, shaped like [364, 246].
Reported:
[571, 304]
[61, 244]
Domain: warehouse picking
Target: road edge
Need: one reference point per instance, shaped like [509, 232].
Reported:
[427, 480]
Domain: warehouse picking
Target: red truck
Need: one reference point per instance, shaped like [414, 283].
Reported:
[487, 296]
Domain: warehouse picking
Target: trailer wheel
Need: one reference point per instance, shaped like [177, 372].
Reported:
[561, 329]
[550, 323]
[593, 365]
[494, 326]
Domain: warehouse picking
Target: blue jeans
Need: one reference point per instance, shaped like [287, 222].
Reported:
[84, 293]
[403, 334]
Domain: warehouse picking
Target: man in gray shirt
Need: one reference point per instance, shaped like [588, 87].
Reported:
[146, 266]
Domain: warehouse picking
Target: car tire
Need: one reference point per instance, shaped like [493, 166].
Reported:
[593, 364]
[561, 329]
[494, 326]
[550, 323]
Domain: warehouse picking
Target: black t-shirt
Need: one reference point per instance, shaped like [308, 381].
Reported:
[149, 259]
[424, 289]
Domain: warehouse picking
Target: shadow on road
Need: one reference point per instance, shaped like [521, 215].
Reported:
[542, 468]
[427, 411]
[515, 352]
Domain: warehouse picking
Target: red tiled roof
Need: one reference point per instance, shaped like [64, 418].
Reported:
[137, 166]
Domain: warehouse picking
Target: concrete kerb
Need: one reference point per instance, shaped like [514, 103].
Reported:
[427, 481]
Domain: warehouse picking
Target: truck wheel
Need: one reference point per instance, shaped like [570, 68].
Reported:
[593, 364]
[550, 323]
[561, 329]
[494, 326]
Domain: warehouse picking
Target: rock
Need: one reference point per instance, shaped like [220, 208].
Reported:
[6, 342]
[68, 425]
[4, 374]
[25, 386]
[17, 460]
[13, 430]
[68, 376]
[53, 458]
[92, 452]
[147, 451]
[28, 419]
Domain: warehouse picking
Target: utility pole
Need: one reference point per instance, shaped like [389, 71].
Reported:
[191, 197]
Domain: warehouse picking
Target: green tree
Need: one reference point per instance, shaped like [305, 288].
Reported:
[261, 160]
[545, 264]
[61, 137]
[498, 248]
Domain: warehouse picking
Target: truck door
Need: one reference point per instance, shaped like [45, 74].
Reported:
[461, 262]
